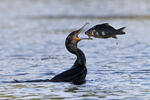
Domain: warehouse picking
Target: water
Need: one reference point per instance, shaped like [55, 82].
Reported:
[32, 36]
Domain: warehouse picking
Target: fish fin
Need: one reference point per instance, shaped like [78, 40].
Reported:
[120, 30]
[106, 24]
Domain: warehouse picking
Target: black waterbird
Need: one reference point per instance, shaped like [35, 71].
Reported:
[77, 73]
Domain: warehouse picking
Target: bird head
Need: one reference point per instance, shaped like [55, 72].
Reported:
[73, 39]
[73, 36]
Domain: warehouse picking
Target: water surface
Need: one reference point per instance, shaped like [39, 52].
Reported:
[32, 36]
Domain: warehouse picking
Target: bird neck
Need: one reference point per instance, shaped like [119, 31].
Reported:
[81, 60]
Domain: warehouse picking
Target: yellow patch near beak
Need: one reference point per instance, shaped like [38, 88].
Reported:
[78, 32]
[77, 38]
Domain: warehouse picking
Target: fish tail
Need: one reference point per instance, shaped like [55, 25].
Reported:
[120, 31]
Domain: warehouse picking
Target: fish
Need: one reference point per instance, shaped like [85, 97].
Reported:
[104, 31]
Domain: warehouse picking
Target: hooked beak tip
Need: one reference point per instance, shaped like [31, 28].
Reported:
[79, 31]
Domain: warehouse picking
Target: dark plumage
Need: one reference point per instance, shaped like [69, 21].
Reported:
[104, 31]
[77, 73]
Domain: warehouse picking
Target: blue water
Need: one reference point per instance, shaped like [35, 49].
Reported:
[32, 37]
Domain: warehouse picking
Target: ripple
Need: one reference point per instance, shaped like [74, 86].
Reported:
[32, 46]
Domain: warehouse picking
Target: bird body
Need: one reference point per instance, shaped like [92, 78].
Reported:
[104, 31]
[77, 73]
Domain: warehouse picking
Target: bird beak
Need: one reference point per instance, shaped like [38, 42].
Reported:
[79, 31]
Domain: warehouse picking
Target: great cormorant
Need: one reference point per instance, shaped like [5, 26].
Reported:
[77, 73]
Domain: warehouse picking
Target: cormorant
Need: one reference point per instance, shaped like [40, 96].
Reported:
[77, 73]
